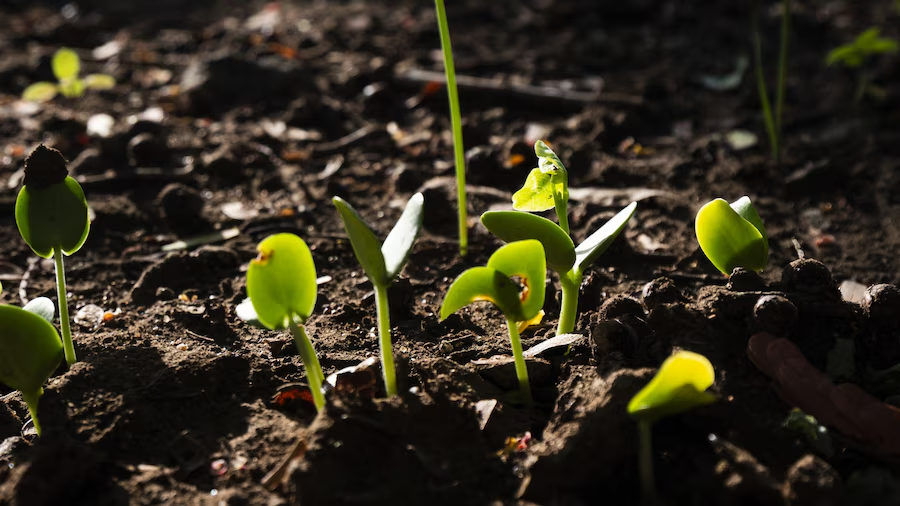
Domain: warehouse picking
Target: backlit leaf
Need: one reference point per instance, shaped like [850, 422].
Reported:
[728, 239]
[53, 217]
[66, 64]
[40, 92]
[99, 81]
[536, 194]
[526, 260]
[679, 385]
[365, 245]
[482, 284]
[400, 241]
[281, 281]
[512, 226]
[598, 242]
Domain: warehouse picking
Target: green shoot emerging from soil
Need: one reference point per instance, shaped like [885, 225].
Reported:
[732, 235]
[855, 55]
[524, 260]
[679, 385]
[66, 67]
[547, 187]
[772, 120]
[30, 350]
[383, 263]
[281, 283]
[456, 125]
[52, 216]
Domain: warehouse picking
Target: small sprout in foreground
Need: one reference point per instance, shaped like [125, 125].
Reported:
[679, 385]
[383, 263]
[732, 235]
[30, 350]
[522, 259]
[856, 54]
[52, 216]
[281, 284]
[547, 187]
[66, 67]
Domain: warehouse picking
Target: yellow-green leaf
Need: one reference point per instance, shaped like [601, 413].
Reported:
[40, 92]
[514, 226]
[526, 260]
[66, 64]
[71, 88]
[729, 239]
[365, 245]
[679, 385]
[281, 281]
[536, 194]
[99, 81]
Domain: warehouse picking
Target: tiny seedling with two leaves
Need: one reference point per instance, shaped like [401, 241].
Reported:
[855, 55]
[679, 385]
[547, 187]
[52, 216]
[282, 290]
[383, 263]
[66, 68]
[732, 235]
[30, 350]
[524, 260]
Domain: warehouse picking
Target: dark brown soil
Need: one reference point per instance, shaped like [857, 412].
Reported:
[250, 117]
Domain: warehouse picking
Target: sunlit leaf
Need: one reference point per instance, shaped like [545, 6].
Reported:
[365, 245]
[482, 284]
[536, 194]
[53, 217]
[30, 349]
[526, 260]
[679, 385]
[71, 88]
[43, 307]
[400, 241]
[538, 318]
[99, 81]
[728, 239]
[66, 64]
[40, 92]
[281, 281]
[598, 242]
[511, 226]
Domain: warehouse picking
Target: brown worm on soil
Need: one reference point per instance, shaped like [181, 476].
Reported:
[846, 407]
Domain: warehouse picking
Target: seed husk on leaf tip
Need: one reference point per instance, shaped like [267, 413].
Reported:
[44, 167]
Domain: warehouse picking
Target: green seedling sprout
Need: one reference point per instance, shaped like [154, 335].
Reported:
[679, 385]
[30, 350]
[772, 121]
[456, 125]
[856, 54]
[546, 187]
[383, 263]
[52, 216]
[732, 235]
[281, 285]
[522, 259]
[66, 68]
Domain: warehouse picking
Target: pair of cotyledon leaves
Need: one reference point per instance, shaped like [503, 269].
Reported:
[732, 235]
[281, 281]
[66, 68]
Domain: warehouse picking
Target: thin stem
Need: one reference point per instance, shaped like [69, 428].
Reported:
[645, 461]
[560, 201]
[521, 368]
[456, 123]
[384, 341]
[569, 304]
[314, 375]
[31, 400]
[782, 62]
[63, 302]
[761, 86]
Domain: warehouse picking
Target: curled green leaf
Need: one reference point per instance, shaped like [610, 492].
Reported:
[511, 226]
[679, 385]
[365, 245]
[732, 235]
[281, 281]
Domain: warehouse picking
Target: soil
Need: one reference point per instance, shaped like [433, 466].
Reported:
[243, 119]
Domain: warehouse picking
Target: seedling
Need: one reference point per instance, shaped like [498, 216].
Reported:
[455, 123]
[383, 263]
[732, 235]
[52, 216]
[679, 385]
[66, 67]
[281, 283]
[526, 261]
[30, 350]
[773, 121]
[856, 55]
[547, 187]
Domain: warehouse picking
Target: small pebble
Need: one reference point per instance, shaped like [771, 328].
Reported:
[620, 305]
[742, 280]
[775, 314]
[660, 291]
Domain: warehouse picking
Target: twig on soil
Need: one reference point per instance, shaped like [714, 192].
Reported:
[521, 91]
[347, 140]
[276, 477]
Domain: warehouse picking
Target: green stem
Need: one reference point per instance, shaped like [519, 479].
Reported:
[384, 341]
[570, 282]
[31, 400]
[63, 307]
[314, 375]
[456, 123]
[645, 461]
[521, 368]
[560, 201]
[762, 88]
[782, 62]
